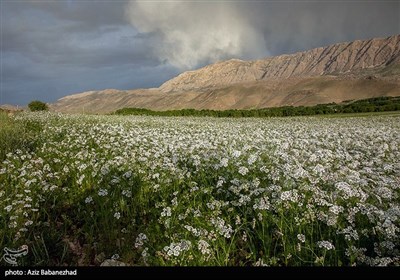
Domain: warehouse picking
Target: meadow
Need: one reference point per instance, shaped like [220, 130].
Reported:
[202, 191]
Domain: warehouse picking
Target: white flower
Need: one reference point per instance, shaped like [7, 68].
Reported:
[204, 247]
[301, 238]
[336, 209]
[252, 159]
[114, 181]
[237, 154]
[166, 212]
[127, 174]
[263, 204]
[291, 195]
[88, 199]
[243, 170]
[224, 230]
[127, 193]
[82, 167]
[326, 245]
[79, 181]
[140, 239]
[174, 249]
[117, 215]
[224, 162]
[347, 190]
[238, 221]
[103, 192]
[260, 262]
[104, 170]
[145, 253]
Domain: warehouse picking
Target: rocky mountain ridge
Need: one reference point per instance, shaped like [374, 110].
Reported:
[351, 70]
[335, 59]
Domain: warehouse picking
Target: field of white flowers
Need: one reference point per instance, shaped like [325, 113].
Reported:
[204, 191]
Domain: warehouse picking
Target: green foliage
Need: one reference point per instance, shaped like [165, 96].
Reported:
[37, 105]
[16, 135]
[379, 104]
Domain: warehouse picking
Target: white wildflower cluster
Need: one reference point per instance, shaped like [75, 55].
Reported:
[358, 253]
[325, 245]
[252, 159]
[140, 239]
[301, 238]
[196, 232]
[291, 195]
[127, 174]
[103, 192]
[127, 193]
[145, 254]
[243, 170]
[263, 204]
[224, 162]
[336, 209]
[175, 249]
[260, 262]
[346, 190]
[204, 247]
[166, 212]
[349, 233]
[222, 228]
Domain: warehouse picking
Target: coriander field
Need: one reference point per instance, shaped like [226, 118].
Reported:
[161, 191]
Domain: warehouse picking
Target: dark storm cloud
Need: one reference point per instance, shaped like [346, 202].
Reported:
[53, 48]
[46, 38]
[291, 26]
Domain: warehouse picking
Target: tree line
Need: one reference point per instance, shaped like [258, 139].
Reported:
[378, 104]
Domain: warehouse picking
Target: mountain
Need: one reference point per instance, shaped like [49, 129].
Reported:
[344, 71]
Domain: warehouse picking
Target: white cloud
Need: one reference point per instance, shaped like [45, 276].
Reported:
[195, 33]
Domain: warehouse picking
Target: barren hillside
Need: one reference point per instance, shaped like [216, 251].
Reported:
[353, 70]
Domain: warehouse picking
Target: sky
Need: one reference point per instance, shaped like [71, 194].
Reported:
[53, 48]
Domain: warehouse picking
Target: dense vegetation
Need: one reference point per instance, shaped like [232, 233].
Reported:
[379, 104]
[37, 105]
[15, 135]
[149, 190]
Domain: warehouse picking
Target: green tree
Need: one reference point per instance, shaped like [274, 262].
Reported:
[37, 105]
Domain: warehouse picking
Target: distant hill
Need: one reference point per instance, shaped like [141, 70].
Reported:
[344, 71]
[11, 108]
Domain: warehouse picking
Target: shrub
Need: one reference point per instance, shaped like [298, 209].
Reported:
[37, 105]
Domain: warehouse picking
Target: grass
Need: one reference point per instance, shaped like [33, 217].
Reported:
[16, 135]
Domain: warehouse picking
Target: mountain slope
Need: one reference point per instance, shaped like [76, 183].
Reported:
[335, 59]
[355, 70]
